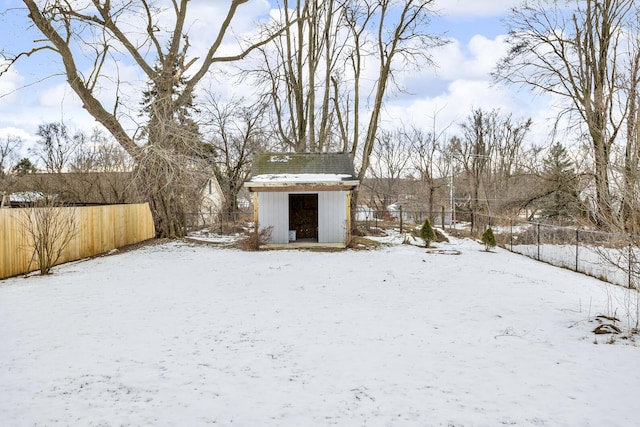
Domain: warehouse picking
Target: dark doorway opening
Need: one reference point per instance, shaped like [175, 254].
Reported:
[303, 215]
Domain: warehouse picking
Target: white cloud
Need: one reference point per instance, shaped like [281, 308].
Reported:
[451, 107]
[10, 81]
[469, 8]
[475, 60]
[13, 131]
[461, 83]
[28, 139]
[59, 96]
[487, 52]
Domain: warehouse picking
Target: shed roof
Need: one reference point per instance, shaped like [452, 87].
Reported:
[281, 170]
[302, 171]
[303, 163]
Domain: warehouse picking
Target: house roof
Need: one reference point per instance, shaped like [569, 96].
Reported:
[77, 188]
[86, 188]
[271, 170]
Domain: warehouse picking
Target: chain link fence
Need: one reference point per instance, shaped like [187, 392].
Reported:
[223, 223]
[612, 257]
[404, 220]
[366, 219]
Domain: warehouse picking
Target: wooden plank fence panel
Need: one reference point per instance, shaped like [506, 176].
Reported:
[99, 230]
[15, 252]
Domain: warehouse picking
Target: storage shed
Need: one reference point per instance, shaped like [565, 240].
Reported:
[304, 197]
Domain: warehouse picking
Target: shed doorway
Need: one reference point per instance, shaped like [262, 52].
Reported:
[303, 216]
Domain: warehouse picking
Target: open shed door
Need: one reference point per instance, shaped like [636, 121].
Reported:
[303, 216]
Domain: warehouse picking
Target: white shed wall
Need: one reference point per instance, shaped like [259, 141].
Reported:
[332, 217]
[273, 211]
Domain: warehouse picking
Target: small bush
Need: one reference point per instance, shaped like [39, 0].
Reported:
[427, 233]
[488, 239]
[256, 239]
[49, 229]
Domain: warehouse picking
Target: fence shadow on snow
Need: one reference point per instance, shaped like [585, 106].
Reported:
[612, 257]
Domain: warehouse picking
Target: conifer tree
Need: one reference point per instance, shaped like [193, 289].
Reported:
[561, 200]
[427, 233]
[24, 166]
[488, 239]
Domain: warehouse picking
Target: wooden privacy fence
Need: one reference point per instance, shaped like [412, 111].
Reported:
[99, 229]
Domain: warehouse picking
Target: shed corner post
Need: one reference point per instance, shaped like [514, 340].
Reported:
[255, 213]
[348, 220]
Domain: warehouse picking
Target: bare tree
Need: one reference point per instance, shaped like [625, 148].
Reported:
[630, 205]
[571, 50]
[391, 156]
[296, 72]
[508, 154]
[474, 150]
[401, 37]
[314, 80]
[236, 131]
[99, 153]
[432, 161]
[9, 148]
[153, 36]
[49, 229]
[491, 152]
[56, 146]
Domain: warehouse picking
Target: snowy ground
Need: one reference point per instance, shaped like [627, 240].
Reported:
[180, 334]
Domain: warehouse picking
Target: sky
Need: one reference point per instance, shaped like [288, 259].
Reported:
[31, 93]
[194, 334]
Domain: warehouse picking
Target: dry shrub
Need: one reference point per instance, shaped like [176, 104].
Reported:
[49, 229]
[440, 236]
[255, 239]
[362, 243]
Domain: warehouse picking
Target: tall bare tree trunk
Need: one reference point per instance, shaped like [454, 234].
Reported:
[69, 27]
[575, 57]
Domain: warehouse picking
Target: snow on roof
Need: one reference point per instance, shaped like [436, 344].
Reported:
[301, 177]
[26, 196]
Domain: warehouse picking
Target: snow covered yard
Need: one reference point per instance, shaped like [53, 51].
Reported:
[180, 334]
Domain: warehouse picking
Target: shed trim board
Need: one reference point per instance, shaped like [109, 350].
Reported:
[332, 216]
[302, 186]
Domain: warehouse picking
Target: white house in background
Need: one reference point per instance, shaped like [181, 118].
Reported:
[212, 196]
[304, 197]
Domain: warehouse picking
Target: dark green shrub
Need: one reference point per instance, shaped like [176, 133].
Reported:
[427, 233]
[488, 239]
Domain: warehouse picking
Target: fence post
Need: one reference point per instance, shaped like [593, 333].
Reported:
[442, 215]
[577, 246]
[631, 286]
[511, 234]
[400, 219]
[538, 241]
[473, 220]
